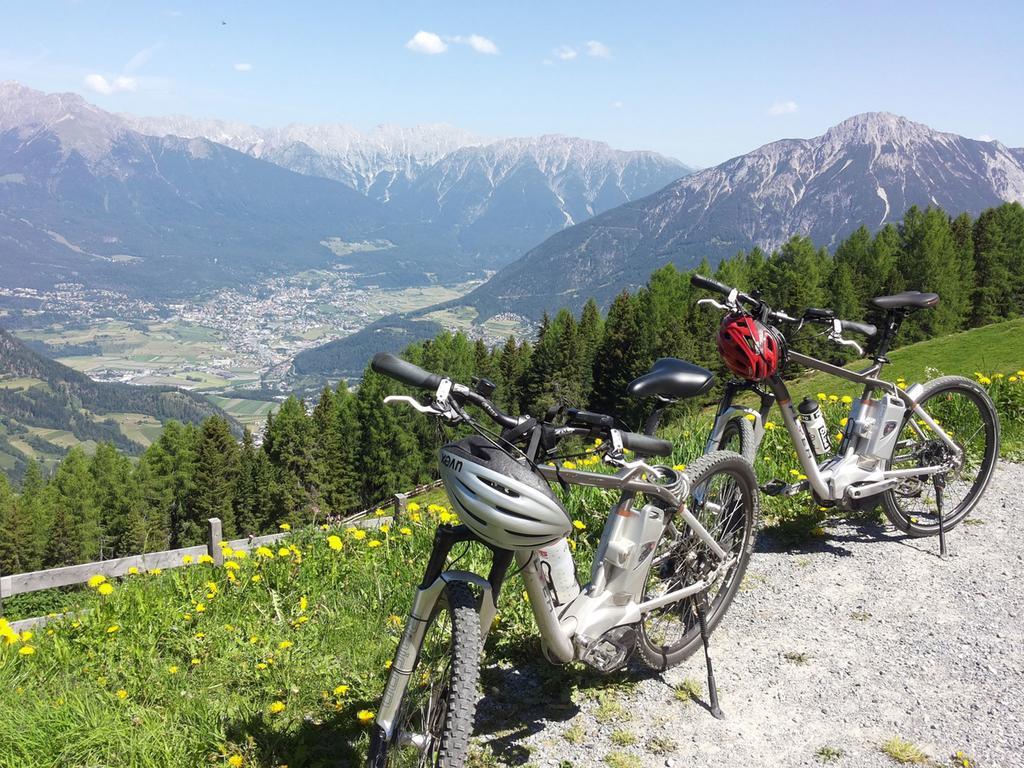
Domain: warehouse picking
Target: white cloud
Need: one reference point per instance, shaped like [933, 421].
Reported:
[100, 84]
[243, 67]
[616, 104]
[783, 108]
[566, 53]
[478, 43]
[598, 49]
[426, 42]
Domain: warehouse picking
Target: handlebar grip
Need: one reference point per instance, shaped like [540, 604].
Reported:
[865, 329]
[404, 371]
[645, 444]
[707, 283]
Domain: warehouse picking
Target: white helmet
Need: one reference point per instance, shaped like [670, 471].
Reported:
[505, 503]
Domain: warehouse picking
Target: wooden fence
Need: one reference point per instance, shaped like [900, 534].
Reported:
[33, 581]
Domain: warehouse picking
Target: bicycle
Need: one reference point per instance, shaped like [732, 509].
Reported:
[926, 466]
[663, 575]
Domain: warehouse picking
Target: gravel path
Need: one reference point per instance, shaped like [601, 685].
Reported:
[845, 642]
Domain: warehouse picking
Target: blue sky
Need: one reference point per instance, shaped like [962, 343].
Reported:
[700, 82]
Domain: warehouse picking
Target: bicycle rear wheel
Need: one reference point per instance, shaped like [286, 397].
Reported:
[723, 497]
[435, 719]
[965, 411]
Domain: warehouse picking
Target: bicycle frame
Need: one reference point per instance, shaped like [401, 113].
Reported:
[571, 629]
[842, 473]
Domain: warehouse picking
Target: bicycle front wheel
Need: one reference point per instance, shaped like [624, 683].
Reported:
[966, 413]
[723, 497]
[435, 718]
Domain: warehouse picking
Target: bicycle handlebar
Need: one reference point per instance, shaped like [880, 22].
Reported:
[865, 329]
[405, 372]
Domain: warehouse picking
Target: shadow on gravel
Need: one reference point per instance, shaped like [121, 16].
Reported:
[799, 538]
[525, 698]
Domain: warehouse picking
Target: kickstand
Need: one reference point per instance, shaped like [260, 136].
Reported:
[940, 485]
[716, 711]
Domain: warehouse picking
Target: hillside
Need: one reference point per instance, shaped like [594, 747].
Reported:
[867, 170]
[46, 407]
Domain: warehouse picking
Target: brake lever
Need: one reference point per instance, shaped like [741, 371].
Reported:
[715, 304]
[428, 409]
[835, 336]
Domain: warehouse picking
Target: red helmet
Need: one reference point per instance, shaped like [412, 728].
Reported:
[750, 349]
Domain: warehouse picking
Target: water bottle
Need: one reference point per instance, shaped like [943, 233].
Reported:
[814, 426]
[556, 564]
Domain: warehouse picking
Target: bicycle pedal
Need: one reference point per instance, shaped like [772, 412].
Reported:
[780, 488]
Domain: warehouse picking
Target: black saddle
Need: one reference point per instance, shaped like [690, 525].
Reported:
[907, 300]
[672, 379]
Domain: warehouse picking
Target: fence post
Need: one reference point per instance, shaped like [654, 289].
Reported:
[1, 591]
[213, 541]
[401, 502]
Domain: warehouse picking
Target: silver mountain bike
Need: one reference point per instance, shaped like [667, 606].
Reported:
[926, 453]
[671, 557]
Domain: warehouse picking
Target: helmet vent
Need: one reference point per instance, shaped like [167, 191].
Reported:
[507, 491]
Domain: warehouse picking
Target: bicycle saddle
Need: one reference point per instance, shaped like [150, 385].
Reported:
[672, 379]
[907, 300]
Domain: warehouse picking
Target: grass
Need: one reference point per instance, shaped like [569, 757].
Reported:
[622, 760]
[797, 657]
[623, 738]
[903, 752]
[688, 690]
[827, 754]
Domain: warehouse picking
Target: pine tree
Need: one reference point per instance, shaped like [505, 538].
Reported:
[213, 482]
[929, 262]
[34, 502]
[389, 456]
[74, 502]
[16, 534]
[618, 362]
[288, 445]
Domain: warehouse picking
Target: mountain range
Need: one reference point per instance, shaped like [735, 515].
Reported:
[867, 170]
[167, 207]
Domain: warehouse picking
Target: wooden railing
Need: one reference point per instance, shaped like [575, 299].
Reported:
[33, 581]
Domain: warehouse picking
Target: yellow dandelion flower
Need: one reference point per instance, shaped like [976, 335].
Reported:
[283, 552]
[236, 761]
[380, 513]
[340, 690]
[105, 589]
[200, 635]
[769, 425]
[364, 716]
[679, 467]
[277, 707]
[113, 628]
[261, 665]
[303, 603]
[285, 526]
[822, 396]
[838, 435]
[122, 694]
[27, 635]
[415, 517]
[26, 650]
[405, 531]
[569, 465]
[133, 571]
[395, 620]
[156, 571]
[359, 535]
[205, 559]
[387, 664]
[95, 581]
[413, 507]
[200, 607]
[373, 543]
[844, 421]
[579, 525]
[749, 416]
[1012, 378]
[264, 552]
[195, 662]
[598, 442]
[847, 400]
[187, 560]
[794, 472]
[284, 645]
[187, 616]
[300, 621]
[833, 398]
[231, 565]
[335, 543]
[256, 579]
[172, 670]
